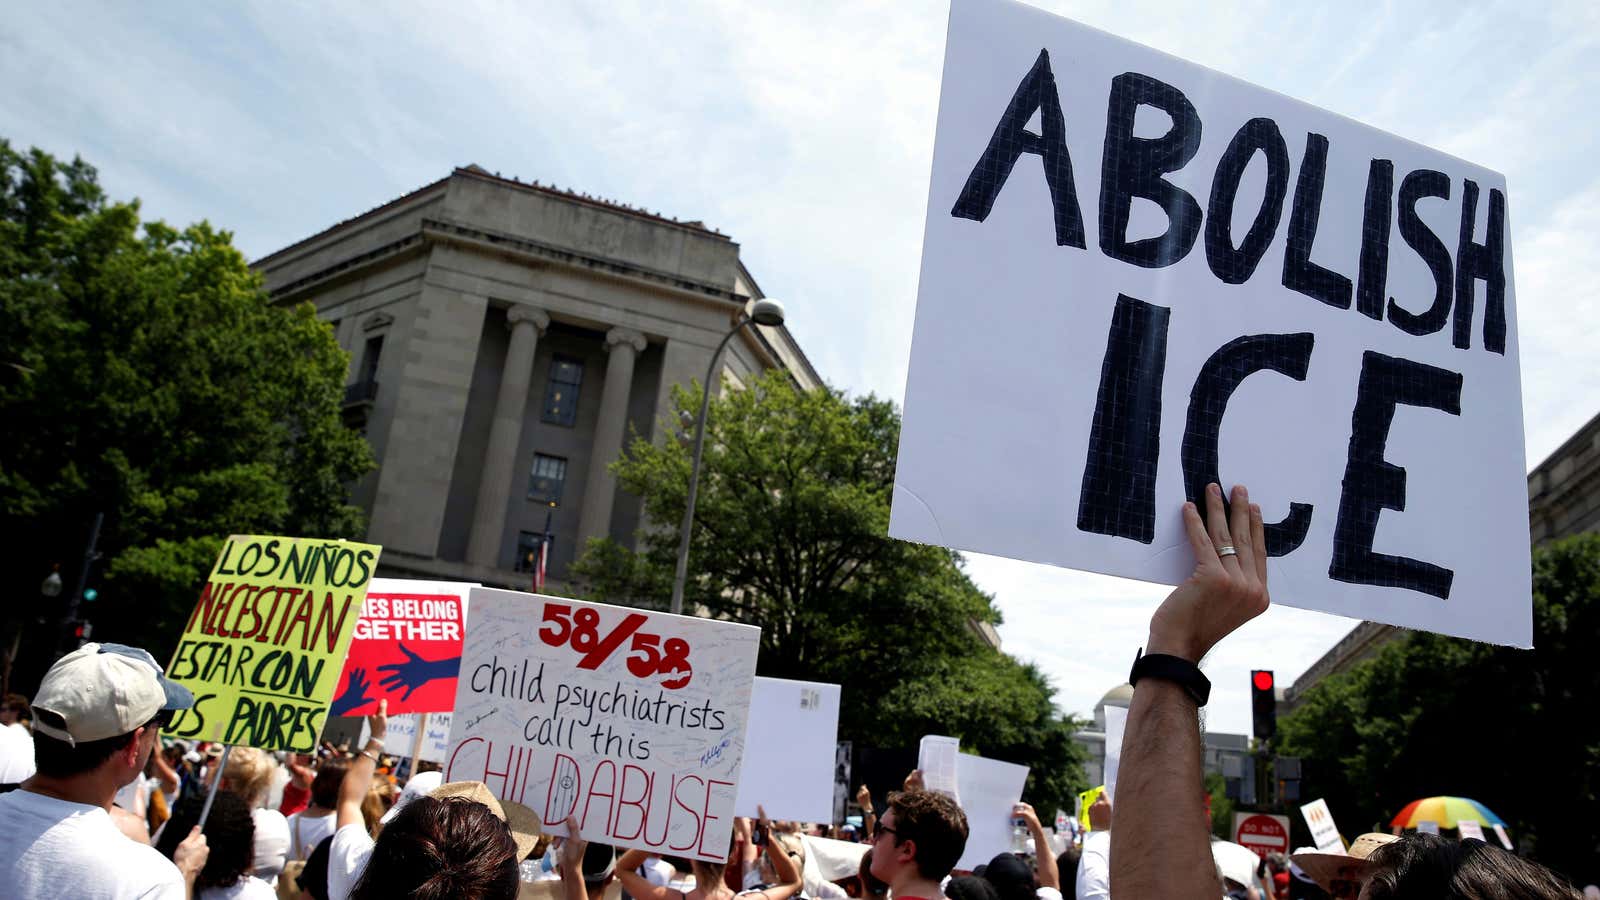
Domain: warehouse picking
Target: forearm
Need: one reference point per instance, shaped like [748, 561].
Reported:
[572, 882]
[1158, 840]
[357, 781]
[1045, 869]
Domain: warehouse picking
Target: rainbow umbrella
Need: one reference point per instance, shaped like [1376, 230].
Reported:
[1447, 811]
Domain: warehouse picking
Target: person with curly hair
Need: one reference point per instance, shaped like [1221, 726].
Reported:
[230, 833]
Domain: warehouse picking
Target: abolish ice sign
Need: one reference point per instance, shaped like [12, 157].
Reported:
[631, 721]
[1140, 276]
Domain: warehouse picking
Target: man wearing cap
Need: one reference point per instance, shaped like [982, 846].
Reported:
[96, 720]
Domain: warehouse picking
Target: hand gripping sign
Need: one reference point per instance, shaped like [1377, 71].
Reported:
[264, 646]
[1155, 277]
[631, 721]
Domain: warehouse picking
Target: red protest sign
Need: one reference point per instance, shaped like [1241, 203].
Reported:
[407, 649]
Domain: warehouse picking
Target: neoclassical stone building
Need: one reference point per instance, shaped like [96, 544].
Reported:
[506, 340]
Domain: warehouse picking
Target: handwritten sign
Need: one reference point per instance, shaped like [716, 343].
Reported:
[407, 648]
[632, 721]
[264, 646]
[1324, 833]
[1155, 277]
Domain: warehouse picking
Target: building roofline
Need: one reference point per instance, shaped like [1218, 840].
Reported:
[1566, 445]
[475, 171]
[375, 211]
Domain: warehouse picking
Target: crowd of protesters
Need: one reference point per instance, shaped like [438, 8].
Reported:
[95, 805]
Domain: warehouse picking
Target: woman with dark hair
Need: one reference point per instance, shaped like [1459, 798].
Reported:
[230, 834]
[447, 848]
[1427, 865]
[309, 826]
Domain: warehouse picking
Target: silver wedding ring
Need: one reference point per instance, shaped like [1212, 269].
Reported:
[1227, 550]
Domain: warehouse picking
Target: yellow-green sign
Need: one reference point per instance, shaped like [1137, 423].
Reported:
[1085, 800]
[264, 647]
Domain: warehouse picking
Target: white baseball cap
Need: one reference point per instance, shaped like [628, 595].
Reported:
[421, 785]
[100, 691]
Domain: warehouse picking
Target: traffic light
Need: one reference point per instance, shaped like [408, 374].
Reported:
[81, 630]
[1263, 704]
[90, 594]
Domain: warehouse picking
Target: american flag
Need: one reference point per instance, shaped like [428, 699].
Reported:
[544, 555]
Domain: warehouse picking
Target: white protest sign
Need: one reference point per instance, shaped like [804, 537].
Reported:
[1426, 827]
[1140, 276]
[936, 759]
[789, 751]
[1324, 833]
[632, 721]
[1505, 839]
[435, 742]
[1467, 828]
[1116, 724]
[989, 789]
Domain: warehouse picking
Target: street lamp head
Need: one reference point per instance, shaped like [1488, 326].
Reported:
[52, 585]
[767, 312]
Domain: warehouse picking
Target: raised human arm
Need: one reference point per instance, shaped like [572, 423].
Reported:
[637, 885]
[783, 866]
[1045, 869]
[868, 819]
[572, 850]
[358, 778]
[1159, 847]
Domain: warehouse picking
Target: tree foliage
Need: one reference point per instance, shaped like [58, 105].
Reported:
[1513, 729]
[790, 534]
[146, 375]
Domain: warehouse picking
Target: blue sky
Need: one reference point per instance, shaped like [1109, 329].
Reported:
[805, 132]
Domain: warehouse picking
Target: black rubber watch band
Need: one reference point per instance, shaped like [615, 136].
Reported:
[1176, 669]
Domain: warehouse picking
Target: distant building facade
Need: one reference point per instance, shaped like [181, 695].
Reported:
[507, 340]
[1224, 753]
[1563, 500]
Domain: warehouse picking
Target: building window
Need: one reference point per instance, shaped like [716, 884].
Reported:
[561, 392]
[528, 550]
[369, 360]
[547, 478]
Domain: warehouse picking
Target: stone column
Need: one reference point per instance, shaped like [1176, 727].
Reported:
[600, 486]
[500, 464]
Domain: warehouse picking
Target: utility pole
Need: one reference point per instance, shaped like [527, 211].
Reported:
[90, 555]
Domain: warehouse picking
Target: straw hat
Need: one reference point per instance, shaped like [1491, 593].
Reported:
[1326, 868]
[523, 822]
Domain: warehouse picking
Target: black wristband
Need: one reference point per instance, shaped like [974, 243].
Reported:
[1176, 669]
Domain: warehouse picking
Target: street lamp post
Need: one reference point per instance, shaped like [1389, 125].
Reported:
[764, 312]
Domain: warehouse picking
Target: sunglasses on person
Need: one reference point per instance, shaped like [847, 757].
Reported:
[879, 830]
[162, 719]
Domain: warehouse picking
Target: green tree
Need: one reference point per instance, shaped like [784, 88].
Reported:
[148, 376]
[1513, 729]
[790, 534]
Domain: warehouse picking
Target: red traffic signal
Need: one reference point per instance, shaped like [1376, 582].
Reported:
[1263, 704]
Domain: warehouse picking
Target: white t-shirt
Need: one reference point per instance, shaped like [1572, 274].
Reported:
[347, 859]
[1094, 867]
[247, 888]
[306, 832]
[16, 754]
[52, 848]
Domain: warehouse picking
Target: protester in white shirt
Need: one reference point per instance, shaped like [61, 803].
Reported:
[96, 718]
[16, 754]
[1094, 866]
[308, 827]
